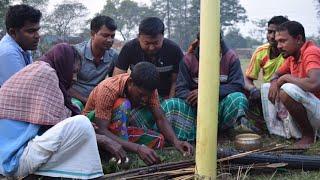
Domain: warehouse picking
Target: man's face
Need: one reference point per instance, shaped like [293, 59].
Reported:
[103, 39]
[149, 44]
[271, 35]
[287, 44]
[138, 96]
[28, 36]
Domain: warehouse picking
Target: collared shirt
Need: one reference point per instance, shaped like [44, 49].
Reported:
[12, 58]
[261, 60]
[14, 136]
[103, 97]
[309, 59]
[166, 60]
[91, 75]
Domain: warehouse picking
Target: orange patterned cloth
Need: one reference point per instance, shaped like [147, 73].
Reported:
[103, 97]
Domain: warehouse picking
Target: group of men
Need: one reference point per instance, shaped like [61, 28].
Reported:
[289, 96]
[155, 102]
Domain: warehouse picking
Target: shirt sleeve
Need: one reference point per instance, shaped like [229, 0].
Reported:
[112, 63]
[235, 81]
[253, 68]
[105, 99]
[313, 61]
[184, 80]
[123, 60]
[177, 59]
[154, 100]
[10, 63]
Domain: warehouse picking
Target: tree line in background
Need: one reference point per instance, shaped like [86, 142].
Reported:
[181, 18]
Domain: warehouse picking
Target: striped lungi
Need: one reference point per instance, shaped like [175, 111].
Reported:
[231, 108]
[179, 113]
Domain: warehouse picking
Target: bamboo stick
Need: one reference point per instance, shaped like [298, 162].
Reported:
[240, 155]
[206, 151]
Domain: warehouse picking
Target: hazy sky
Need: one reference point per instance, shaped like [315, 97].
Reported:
[303, 11]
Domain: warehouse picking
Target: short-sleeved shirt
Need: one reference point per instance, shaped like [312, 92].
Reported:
[103, 97]
[261, 60]
[167, 61]
[12, 58]
[91, 75]
[309, 59]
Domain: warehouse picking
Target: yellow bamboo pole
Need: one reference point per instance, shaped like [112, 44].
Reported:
[208, 99]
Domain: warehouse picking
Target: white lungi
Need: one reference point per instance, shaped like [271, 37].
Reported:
[285, 126]
[68, 149]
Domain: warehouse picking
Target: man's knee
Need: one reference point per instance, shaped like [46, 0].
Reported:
[284, 97]
[81, 123]
[238, 97]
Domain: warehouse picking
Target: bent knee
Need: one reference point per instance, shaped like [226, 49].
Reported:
[82, 124]
[284, 97]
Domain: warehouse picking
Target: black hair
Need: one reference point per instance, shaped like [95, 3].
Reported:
[294, 29]
[277, 20]
[145, 75]
[151, 26]
[17, 16]
[100, 20]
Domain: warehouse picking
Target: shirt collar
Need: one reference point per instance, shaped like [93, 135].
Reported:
[13, 42]
[305, 46]
[302, 49]
[88, 53]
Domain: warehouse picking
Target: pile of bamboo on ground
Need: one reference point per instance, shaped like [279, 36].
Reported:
[186, 169]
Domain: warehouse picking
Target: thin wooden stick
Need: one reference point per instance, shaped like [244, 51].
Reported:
[240, 155]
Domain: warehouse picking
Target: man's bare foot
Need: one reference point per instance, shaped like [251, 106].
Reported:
[304, 143]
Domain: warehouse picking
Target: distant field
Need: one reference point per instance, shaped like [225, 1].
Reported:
[244, 64]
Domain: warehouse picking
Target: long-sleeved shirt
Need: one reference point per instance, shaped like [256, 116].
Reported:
[12, 58]
[231, 77]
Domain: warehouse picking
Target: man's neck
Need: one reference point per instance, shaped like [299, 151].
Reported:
[298, 53]
[274, 52]
[297, 56]
[96, 52]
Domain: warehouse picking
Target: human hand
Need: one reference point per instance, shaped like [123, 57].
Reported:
[148, 155]
[115, 149]
[273, 91]
[184, 147]
[192, 98]
[254, 97]
[283, 79]
[94, 126]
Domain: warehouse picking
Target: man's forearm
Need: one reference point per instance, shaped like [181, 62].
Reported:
[248, 84]
[125, 144]
[164, 126]
[173, 85]
[305, 83]
[172, 90]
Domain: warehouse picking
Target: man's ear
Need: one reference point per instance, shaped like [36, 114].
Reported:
[92, 33]
[299, 39]
[12, 32]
